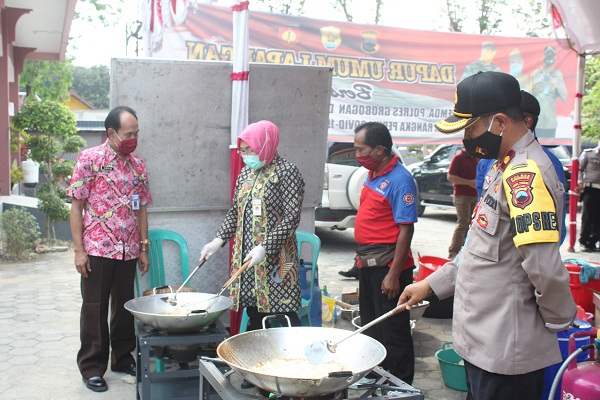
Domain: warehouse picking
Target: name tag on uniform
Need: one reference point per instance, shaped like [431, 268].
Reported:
[135, 202]
[256, 207]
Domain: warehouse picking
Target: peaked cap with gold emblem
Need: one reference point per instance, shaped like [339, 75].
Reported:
[478, 95]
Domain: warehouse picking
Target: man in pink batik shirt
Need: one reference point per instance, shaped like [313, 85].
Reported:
[109, 225]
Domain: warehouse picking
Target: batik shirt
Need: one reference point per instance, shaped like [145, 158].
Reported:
[108, 183]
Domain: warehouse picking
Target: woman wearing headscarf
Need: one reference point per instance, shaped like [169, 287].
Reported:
[263, 220]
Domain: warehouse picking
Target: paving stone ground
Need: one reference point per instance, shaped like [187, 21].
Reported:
[39, 319]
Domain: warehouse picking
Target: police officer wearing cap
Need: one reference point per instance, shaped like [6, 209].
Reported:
[510, 286]
[589, 188]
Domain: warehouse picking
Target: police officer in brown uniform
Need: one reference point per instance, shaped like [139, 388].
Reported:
[510, 285]
[589, 188]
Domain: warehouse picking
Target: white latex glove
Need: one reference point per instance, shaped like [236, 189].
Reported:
[211, 248]
[257, 254]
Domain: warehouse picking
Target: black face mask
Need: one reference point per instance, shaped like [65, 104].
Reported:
[485, 146]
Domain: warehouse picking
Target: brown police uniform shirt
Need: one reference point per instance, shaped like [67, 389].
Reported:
[509, 279]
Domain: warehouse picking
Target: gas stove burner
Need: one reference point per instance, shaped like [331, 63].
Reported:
[217, 383]
[341, 395]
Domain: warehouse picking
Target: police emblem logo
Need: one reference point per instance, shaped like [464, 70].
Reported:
[408, 198]
[289, 34]
[331, 37]
[369, 43]
[520, 189]
[481, 150]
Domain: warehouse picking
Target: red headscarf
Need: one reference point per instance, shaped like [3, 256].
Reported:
[263, 139]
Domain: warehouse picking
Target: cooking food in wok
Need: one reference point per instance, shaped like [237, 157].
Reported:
[274, 359]
[153, 311]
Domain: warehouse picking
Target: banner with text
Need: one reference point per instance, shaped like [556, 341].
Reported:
[403, 78]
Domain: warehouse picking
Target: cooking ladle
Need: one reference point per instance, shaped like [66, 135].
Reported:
[224, 287]
[316, 352]
[172, 300]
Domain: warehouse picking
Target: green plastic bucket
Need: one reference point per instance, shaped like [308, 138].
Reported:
[452, 367]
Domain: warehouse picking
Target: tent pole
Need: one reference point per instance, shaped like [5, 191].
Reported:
[574, 196]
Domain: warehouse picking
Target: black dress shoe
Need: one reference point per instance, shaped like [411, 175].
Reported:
[246, 385]
[351, 273]
[96, 384]
[131, 370]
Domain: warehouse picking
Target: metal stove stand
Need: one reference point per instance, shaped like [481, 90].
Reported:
[170, 384]
[215, 384]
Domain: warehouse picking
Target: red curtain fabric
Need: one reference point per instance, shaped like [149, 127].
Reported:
[235, 317]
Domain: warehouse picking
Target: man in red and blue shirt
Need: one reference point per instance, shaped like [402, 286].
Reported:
[109, 226]
[385, 220]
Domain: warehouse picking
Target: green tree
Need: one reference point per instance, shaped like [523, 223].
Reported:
[456, 14]
[93, 84]
[591, 100]
[19, 232]
[532, 19]
[292, 7]
[52, 132]
[489, 15]
[344, 6]
[46, 79]
[102, 11]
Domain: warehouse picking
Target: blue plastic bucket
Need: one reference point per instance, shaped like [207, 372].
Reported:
[563, 340]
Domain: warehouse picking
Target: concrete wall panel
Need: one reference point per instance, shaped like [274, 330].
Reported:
[184, 110]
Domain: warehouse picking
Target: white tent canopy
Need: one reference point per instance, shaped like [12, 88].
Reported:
[580, 20]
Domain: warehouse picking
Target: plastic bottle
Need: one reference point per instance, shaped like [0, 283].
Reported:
[325, 293]
[315, 312]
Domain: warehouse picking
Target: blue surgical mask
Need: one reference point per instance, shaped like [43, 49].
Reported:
[253, 162]
[516, 69]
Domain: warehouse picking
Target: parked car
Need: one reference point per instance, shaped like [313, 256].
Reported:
[343, 184]
[336, 210]
[434, 189]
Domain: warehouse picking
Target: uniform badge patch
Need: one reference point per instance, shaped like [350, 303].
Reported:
[520, 189]
[496, 188]
[409, 198]
[482, 220]
[383, 185]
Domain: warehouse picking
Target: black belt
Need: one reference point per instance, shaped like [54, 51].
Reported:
[592, 185]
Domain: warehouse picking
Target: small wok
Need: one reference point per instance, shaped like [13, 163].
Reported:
[246, 352]
[154, 311]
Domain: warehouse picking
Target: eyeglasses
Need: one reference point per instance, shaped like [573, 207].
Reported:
[246, 152]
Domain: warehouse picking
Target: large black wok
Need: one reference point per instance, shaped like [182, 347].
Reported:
[154, 311]
[290, 373]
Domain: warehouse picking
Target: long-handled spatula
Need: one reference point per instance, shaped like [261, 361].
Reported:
[212, 300]
[172, 300]
[317, 352]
